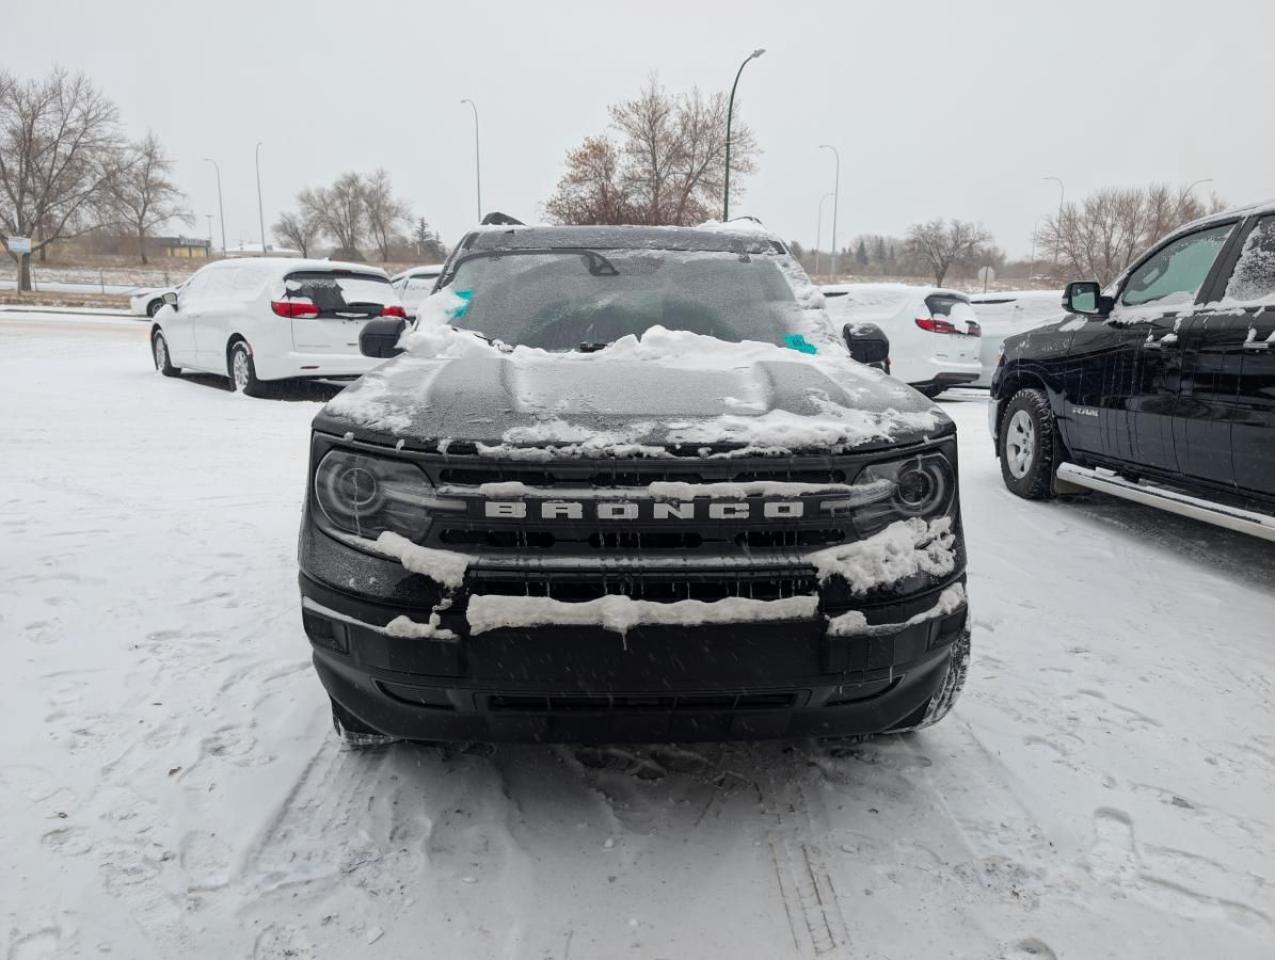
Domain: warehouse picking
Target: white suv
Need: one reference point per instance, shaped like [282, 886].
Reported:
[272, 319]
[934, 334]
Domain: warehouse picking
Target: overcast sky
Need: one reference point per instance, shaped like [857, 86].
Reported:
[945, 109]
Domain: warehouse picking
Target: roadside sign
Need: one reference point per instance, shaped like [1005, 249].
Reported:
[19, 244]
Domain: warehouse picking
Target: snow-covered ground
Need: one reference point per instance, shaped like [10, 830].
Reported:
[171, 786]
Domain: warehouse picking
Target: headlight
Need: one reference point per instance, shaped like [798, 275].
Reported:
[922, 486]
[367, 495]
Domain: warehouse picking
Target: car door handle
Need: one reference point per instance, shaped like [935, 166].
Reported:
[1168, 340]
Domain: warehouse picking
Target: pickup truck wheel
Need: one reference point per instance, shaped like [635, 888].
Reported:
[354, 732]
[243, 373]
[1028, 445]
[163, 361]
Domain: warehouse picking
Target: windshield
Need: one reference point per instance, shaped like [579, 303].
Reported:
[568, 299]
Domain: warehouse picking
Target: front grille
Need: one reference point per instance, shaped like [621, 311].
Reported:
[623, 476]
[656, 589]
[640, 703]
[537, 539]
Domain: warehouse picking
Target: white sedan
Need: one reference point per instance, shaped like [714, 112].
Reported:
[146, 301]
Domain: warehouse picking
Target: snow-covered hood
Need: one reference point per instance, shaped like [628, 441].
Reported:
[665, 393]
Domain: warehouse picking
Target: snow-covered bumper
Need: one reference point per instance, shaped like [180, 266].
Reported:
[483, 670]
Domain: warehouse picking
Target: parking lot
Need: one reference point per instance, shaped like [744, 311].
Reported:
[1102, 789]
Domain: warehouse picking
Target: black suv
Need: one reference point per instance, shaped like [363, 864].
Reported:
[628, 483]
[1160, 389]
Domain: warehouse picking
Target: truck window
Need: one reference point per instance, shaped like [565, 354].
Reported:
[1254, 275]
[1175, 272]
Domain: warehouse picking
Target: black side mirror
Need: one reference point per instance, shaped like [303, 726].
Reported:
[170, 298]
[868, 344]
[379, 338]
[1085, 297]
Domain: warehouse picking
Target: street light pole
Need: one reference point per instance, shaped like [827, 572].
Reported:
[1035, 230]
[819, 232]
[261, 216]
[1191, 186]
[1062, 194]
[478, 167]
[730, 111]
[221, 210]
[836, 202]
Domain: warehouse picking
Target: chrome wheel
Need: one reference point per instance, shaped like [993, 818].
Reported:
[1020, 444]
[241, 372]
[161, 353]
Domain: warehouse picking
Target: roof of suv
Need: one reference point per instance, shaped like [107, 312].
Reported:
[723, 238]
[282, 266]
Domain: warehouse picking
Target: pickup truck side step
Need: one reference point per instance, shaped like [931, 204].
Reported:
[1233, 518]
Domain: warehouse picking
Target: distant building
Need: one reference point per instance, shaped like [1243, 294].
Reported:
[188, 247]
[251, 249]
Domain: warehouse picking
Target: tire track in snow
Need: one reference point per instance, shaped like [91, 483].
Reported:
[806, 889]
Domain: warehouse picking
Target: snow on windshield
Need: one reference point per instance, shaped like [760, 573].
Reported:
[564, 299]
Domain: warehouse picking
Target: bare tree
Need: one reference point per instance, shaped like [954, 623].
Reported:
[58, 143]
[338, 211]
[384, 213]
[296, 230]
[666, 165]
[143, 193]
[1102, 234]
[941, 244]
[590, 191]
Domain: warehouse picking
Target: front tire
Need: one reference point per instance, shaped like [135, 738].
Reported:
[931, 391]
[243, 372]
[163, 359]
[1028, 445]
[152, 308]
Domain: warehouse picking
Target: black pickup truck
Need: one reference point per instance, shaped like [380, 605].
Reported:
[628, 483]
[1160, 389]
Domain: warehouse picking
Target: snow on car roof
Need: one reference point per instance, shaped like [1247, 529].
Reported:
[879, 298]
[280, 267]
[426, 269]
[718, 238]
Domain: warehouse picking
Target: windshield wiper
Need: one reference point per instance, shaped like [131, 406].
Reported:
[593, 346]
[599, 266]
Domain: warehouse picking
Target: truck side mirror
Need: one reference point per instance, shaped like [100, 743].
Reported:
[1085, 297]
[170, 298]
[379, 338]
[868, 344]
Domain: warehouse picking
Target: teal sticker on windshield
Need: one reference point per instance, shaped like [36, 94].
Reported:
[797, 341]
[458, 311]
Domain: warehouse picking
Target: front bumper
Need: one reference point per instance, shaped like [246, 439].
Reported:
[295, 364]
[654, 683]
